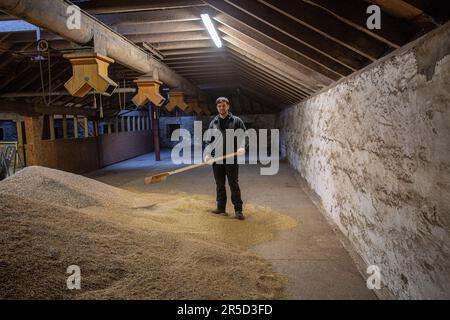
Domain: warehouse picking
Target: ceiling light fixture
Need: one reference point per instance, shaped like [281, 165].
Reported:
[212, 31]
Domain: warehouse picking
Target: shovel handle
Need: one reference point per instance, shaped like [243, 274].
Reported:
[203, 163]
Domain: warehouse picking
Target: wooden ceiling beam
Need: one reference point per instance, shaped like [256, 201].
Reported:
[207, 72]
[149, 17]
[170, 37]
[273, 57]
[301, 33]
[262, 73]
[260, 94]
[211, 55]
[193, 62]
[394, 32]
[270, 68]
[189, 52]
[275, 88]
[23, 108]
[177, 45]
[274, 81]
[162, 27]
[329, 26]
[233, 27]
[278, 97]
[281, 92]
[210, 65]
[257, 26]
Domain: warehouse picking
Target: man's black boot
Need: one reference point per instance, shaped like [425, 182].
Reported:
[219, 211]
[239, 215]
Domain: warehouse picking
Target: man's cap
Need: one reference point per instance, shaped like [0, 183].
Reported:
[222, 99]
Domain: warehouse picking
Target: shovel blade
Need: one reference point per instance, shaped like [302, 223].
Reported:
[156, 178]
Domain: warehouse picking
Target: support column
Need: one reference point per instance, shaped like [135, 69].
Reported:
[122, 124]
[75, 127]
[64, 125]
[128, 123]
[138, 123]
[96, 131]
[133, 123]
[52, 127]
[155, 127]
[109, 128]
[116, 125]
[33, 133]
[20, 147]
[86, 127]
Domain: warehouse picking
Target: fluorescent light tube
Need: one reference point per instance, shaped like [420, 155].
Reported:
[212, 31]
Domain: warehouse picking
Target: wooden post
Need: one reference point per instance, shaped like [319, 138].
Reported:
[52, 127]
[155, 127]
[75, 127]
[64, 125]
[116, 125]
[109, 128]
[20, 148]
[95, 122]
[138, 123]
[122, 124]
[33, 133]
[86, 127]
[128, 123]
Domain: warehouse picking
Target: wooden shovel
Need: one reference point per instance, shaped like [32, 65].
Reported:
[160, 177]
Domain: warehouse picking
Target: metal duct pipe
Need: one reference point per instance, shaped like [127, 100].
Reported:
[52, 15]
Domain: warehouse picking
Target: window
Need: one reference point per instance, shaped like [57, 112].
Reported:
[2, 134]
[171, 128]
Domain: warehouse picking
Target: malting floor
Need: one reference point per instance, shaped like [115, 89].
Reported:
[310, 255]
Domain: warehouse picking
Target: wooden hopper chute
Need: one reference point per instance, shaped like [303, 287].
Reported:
[194, 105]
[205, 109]
[176, 100]
[90, 71]
[148, 91]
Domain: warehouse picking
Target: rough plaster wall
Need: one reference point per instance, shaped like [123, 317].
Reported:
[376, 150]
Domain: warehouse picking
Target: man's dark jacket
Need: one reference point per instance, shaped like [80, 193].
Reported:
[233, 123]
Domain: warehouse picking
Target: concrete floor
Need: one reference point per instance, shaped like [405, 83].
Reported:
[310, 255]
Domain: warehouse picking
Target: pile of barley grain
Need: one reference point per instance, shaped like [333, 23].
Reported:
[128, 245]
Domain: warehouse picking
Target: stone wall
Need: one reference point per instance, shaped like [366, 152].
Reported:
[376, 149]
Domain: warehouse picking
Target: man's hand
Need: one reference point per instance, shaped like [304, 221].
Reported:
[241, 151]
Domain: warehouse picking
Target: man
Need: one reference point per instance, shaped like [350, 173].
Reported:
[223, 121]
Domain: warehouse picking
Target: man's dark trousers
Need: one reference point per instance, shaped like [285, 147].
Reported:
[231, 172]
